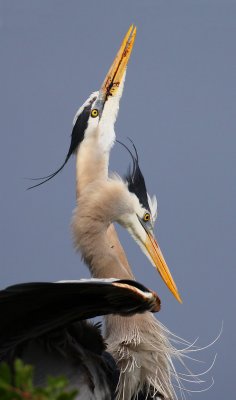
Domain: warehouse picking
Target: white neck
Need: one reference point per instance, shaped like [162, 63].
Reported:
[91, 163]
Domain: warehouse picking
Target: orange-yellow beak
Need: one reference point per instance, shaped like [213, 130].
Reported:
[116, 72]
[157, 257]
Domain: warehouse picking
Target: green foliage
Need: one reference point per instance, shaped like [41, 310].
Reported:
[19, 385]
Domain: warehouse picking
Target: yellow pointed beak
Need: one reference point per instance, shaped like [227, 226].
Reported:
[157, 257]
[118, 67]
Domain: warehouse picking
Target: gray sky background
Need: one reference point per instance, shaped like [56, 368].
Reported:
[179, 108]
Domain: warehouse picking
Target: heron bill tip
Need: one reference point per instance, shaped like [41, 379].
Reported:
[116, 72]
[157, 257]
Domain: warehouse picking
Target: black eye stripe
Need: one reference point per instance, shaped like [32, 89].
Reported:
[77, 137]
[80, 127]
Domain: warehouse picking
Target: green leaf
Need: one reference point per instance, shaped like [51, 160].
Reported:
[23, 377]
[23, 387]
[5, 373]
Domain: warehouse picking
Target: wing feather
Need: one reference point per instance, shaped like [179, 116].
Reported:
[32, 309]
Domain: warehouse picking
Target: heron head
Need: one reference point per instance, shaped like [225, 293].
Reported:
[138, 214]
[100, 110]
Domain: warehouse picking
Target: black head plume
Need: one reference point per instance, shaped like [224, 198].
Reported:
[77, 137]
[135, 179]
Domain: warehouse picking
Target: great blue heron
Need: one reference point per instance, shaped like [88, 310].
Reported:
[140, 345]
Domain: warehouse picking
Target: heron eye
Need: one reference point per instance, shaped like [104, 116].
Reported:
[146, 217]
[94, 113]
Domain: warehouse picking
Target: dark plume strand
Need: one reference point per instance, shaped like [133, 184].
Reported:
[135, 178]
[126, 147]
[135, 148]
[49, 177]
[77, 137]
[131, 170]
[33, 309]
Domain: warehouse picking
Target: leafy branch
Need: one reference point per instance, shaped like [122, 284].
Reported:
[18, 385]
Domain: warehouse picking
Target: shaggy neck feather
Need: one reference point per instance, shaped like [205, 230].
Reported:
[94, 235]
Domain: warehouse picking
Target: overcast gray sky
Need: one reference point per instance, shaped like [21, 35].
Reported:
[179, 108]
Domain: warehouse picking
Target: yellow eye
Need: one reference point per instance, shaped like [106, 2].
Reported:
[94, 113]
[146, 217]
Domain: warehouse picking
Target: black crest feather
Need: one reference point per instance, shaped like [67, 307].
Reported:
[135, 179]
[77, 137]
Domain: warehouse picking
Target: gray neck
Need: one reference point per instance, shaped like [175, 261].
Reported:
[93, 236]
